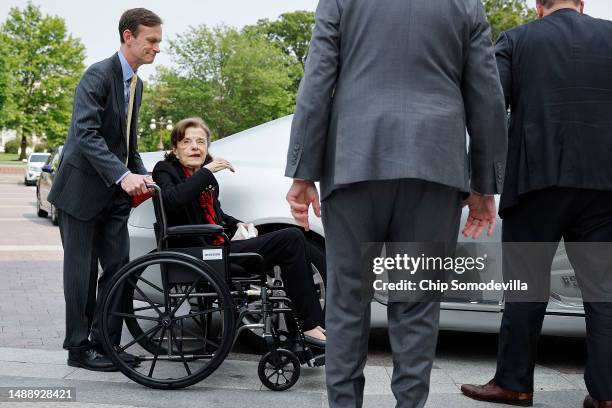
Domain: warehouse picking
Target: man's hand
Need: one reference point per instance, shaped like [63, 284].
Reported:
[135, 184]
[482, 214]
[219, 164]
[301, 194]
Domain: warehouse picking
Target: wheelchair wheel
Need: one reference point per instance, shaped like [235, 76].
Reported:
[178, 344]
[279, 370]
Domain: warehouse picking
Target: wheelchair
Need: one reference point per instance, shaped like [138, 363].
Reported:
[184, 309]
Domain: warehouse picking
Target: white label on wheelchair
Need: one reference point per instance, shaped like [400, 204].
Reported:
[212, 254]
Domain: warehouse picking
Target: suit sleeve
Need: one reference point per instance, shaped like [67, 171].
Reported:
[87, 120]
[503, 55]
[311, 119]
[228, 220]
[484, 109]
[178, 195]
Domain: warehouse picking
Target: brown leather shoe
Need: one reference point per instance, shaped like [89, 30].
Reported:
[494, 393]
[589, 402]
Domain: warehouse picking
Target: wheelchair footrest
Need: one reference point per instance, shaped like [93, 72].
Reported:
[317, 361]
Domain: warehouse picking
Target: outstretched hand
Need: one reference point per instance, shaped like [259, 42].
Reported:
[482, 215]
[301, 195]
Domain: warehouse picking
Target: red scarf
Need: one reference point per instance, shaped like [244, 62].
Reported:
[210, 215]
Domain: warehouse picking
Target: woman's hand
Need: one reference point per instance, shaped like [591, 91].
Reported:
[219, 164]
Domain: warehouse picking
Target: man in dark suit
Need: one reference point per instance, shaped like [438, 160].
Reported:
[100, 169]
[557, 78]
[388, 91]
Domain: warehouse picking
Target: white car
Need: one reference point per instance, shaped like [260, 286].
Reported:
[256, 193]
[34, 167]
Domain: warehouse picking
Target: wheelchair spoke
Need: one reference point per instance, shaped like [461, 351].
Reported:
[140, 309]
[286, 379]
[186, 295]
[137, 339]
[270, 376]
[205, 340]
[161, 337]
[157, 288]
[203, 312]
[180, 350]
[133, 316]
[199, 337]
[148, 300]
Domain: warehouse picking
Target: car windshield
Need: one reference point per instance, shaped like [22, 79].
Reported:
[38, 158]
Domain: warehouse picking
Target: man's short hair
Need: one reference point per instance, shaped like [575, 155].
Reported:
[132, 19]
[550, 3]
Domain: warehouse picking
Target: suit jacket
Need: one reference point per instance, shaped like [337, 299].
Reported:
[557, 78]
[180, 195]
[388, 90]
[95, 152]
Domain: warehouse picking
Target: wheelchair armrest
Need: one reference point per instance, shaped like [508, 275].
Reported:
[198, 229]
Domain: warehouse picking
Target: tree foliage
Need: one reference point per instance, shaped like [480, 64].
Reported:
[506, 14]
[5, 81]
[233, 81]
[45, 63]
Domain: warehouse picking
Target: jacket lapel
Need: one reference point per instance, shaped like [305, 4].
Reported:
[119, 98]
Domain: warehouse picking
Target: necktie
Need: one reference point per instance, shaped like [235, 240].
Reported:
[129, 115]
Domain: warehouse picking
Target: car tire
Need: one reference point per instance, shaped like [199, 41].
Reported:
[39, 211]
[54, 216]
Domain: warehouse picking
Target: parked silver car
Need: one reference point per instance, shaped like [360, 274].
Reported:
[256, 193]
[43, 186]
[33, 167]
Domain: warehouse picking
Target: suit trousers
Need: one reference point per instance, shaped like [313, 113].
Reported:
[103, 239]
[287, 249]
[403, 210]
[577, 216]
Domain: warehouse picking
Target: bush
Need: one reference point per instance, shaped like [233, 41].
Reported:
[40, 148]
[12, 146]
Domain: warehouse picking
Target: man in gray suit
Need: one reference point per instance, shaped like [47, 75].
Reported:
[100, 169]
[388, 91]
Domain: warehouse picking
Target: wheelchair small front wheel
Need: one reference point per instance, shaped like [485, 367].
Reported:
[279, 369]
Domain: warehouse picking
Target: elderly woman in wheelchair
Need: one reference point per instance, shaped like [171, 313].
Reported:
[182, 302]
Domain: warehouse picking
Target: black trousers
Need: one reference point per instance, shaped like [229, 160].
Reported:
[577, 216]
[287, 249]
[103, 239]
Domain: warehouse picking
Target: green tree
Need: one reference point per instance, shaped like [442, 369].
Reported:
[232, 80]
[45, 65]
[291, 33]
[506, 14]
[5, 83]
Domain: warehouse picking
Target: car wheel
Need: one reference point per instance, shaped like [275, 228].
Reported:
[54, 217]
[316, 254]
[39, 211]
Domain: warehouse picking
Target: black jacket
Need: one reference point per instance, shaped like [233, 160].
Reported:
[557, 78]
[95, 152]
[180, 195]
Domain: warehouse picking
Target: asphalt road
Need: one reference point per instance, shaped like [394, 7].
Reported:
[32, 319]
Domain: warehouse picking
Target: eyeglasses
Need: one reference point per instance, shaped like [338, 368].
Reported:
[188, 142]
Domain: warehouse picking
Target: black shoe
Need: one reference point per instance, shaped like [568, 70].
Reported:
[90, 360]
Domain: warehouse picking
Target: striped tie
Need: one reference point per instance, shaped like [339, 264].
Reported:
[129, 115]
